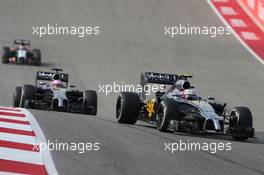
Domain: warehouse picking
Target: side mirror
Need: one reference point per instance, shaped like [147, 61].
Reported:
[42, 83]
[210, 98]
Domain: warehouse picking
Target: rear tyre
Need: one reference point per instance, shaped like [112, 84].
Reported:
[5, 55]
[17, 96]
[36, 54]
[28, 96]
[90, 102]
[168, 110]
[127, 108]
[241, 122]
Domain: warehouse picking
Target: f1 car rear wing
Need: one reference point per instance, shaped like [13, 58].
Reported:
[22, 42]
[160, 78]
[48, 76]
[57, 69]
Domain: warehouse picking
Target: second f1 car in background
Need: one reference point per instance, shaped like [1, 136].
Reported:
[52, 92]
[21, 53]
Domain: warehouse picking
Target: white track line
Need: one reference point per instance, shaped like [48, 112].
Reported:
[18, 138]
[20, 155]
[234, 32]
[15, 126]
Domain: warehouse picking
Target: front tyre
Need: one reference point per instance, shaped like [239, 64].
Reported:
[55, 104]
[241, 123]
[28, 96]
[5, 55]
[168, 110]
[90, 102]
[127, 108]
[17, 96]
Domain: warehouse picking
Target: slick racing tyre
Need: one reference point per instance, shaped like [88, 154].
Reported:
[28, 96]
[55, 105]
[127, 108]
[241, 121]
[17, 96]
[5, 55]
[167, 110]
[36, 56]
[90, 102]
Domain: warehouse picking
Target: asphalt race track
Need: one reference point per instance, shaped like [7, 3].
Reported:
[131, 41]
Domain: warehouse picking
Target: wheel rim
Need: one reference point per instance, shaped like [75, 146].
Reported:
[234, 120]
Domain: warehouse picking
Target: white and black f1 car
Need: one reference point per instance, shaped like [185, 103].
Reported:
[52, 92]
[21, 53]
[180, 109]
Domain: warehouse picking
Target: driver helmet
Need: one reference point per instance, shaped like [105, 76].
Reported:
[189, 94]
[21, 47]
[185, 85]
[180, 86]
[56, 84]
